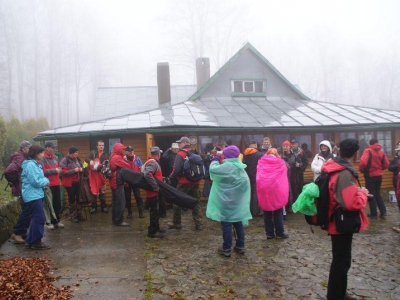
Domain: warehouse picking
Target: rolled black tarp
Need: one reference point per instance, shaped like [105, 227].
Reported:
[171, 194]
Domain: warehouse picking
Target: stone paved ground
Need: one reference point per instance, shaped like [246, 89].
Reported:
[186, 263]
[112, 262]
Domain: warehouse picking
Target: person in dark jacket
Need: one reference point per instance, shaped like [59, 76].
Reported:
[17, 159]
[250, 158]
[188, 187]
[71, 169]
[297, 169]
[372, 163]
[394, 166]
[152, 170]
[343, 191]
[168, 160]
[52, 170]
[97, 182]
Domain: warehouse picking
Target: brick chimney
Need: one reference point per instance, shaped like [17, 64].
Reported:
[163, 83]
[202, 71]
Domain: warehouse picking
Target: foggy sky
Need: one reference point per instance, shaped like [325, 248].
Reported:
[338, 51]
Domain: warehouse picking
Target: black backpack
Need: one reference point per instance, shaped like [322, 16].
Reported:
[321, 219]
[106, 169]
[193, 167]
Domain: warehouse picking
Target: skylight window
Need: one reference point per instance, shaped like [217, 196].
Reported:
[248, 86]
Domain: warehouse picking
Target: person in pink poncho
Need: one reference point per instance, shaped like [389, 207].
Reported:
[273, 192]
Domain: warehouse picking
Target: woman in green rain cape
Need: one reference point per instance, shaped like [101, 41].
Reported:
[229, 200]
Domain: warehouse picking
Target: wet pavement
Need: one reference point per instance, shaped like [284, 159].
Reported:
[109, 262]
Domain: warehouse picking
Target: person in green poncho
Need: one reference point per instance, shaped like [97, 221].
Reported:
[229, 200]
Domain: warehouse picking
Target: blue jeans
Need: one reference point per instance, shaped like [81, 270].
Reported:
[32, 210]
[274, 226]
[227, 235]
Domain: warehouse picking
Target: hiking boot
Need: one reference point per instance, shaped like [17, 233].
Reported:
[93, 211]
[161, 230]
[284, 236]
[129, 216]
[270, 237]
[74, 220]
[49, 226]
[59, 225]
[226, 253]
[174, 226]
[372, 217]
[81, 218]
[104, 209]
[158, 234]
[37, 246]
[140, 210]
[123, 224]
[199, 227]
[382, 216]
[17, 239]
[239, 250]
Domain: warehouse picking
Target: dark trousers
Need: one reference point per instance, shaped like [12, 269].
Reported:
[24, 220]
[56, 194]
[227, 235]
[128, 197]
[373, 185]
[118, 205]
[296, 183]
[154, 215]
[273, 222]
[75, 206]
[341, 262]
[191, 190]
[254, 208]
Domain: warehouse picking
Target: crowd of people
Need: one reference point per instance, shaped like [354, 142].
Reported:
[263, 181]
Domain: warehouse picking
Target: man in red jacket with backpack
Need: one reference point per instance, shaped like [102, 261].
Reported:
[372, 163]
[184, 185]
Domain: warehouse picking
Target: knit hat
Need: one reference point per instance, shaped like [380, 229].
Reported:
[49, 145]
[174, 146]
[286, 143]
[273, 151]
[155, 150]
[73, 149]
[231, 152]
[24, 144]
[129, 148]
[373, 141]
[348, 147]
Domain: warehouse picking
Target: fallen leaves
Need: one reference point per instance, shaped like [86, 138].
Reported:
[22, 278]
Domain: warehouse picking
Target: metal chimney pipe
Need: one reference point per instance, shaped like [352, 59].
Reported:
[163, 83]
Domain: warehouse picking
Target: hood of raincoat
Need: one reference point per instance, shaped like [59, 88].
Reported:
[118, 148]
[229, 199]
[272, 183]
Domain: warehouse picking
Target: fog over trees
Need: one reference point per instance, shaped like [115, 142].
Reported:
[54, 54]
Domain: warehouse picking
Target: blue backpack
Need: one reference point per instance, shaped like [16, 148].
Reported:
[193, 167]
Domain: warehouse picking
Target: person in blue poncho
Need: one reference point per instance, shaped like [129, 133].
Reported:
[229, 200]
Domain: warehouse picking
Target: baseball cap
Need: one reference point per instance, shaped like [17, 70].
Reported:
[129, 148]
[183, 139]
[25, 144]
[294, 141]
[50, 145]
[155, 150]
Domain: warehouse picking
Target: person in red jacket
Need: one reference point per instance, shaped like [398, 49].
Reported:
[97, 181]
[184, 185]
[343, 191]
[372, 163]
[51, 168]
[117, 162]
[152, 170]
[71, 168]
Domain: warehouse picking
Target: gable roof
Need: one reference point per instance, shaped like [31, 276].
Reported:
[246, 47]
[238, 113]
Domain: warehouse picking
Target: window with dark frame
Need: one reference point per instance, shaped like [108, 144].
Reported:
[249, 86]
